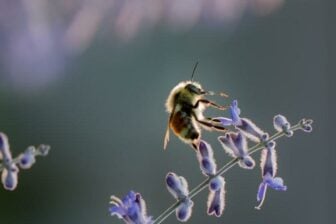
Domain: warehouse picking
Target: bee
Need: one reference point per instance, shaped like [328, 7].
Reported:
[186, 104]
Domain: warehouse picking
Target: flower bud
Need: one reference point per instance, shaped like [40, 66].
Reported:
[184, 210]
[177, 185]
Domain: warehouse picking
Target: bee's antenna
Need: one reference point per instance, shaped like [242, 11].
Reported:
[192, 75]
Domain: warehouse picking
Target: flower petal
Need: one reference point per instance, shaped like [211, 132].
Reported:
[235, 112]
[224, 121]
[261, 195]
[216, 202]
[268, 162]
[277, 183]
[228, 144]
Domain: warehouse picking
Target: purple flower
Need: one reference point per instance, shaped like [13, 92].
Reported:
[27, 159]
[234, 119]
[245, 125]
[216, 198]
[177, 185]
[268, 169]
[184, 210]
[235, 144]
[9, 176]
[281, 124]
[132, 209]
[206, 158]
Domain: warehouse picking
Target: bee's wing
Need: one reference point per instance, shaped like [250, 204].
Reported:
[166, 138]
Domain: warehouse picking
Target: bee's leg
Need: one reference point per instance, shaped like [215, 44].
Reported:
[195, 143]
[210, 125]
[210, 103]
[215, 120]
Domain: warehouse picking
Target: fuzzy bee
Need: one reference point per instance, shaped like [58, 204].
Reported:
[185, 104]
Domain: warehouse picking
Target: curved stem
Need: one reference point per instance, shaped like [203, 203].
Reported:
[164, 215]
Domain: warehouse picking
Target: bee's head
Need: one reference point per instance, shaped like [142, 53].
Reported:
[194, 88]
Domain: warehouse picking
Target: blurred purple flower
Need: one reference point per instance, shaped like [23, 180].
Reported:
[132, 209]
[9, 177]
[38, 38]
[25, 160]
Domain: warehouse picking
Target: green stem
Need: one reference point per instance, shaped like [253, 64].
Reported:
[164, 215]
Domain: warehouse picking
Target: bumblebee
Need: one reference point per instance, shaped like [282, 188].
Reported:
[185, 104]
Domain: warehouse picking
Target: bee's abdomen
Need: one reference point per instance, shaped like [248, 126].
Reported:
[183, 126]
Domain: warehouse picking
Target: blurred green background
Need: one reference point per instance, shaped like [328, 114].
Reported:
[105, 119]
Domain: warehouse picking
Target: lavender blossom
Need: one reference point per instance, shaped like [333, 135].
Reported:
[216, 198]
[10, 170]
[177, 185]
[235, 145]
[245, 125]
[132, 209]
[281, 124]
[184, 210]
[9, 177]
[206, 158]
[28, 158]
[268, 169]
